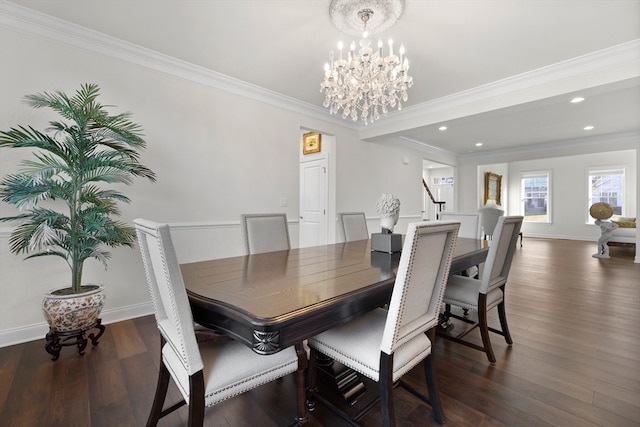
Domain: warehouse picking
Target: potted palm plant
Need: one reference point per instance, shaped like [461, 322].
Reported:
[65, 207]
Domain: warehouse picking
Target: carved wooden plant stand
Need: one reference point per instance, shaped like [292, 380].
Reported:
[56, 340]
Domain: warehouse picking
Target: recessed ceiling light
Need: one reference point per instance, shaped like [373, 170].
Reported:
[577, 99]
[478, 144]
[442, 128]
[588, 127]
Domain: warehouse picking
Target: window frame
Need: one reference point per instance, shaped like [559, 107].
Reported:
[535, 174]
[605, 170]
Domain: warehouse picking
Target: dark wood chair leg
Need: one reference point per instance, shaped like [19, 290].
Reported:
[196, 399]
[385, 383]
[432, 386]
[503, 322]
[161, 392]
[484, 327]
[432, 383]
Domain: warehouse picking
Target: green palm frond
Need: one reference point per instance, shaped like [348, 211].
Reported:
[25, 191]
[45, 168]
[39, 230]
[21, 137]
[97, 196]
[86, 150]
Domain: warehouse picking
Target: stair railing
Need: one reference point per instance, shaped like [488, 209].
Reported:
[440, 205]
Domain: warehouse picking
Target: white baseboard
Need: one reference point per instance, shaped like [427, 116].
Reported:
[39, 330]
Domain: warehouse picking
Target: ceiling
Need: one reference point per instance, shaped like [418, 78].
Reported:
[468, 58]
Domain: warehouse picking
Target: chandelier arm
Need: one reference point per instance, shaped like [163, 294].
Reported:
[367, 84]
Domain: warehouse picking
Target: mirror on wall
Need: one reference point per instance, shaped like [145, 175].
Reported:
[492, 187]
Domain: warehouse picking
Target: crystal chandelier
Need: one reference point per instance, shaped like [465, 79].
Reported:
[363, 83]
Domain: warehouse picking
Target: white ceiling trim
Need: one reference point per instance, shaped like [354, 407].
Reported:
[612, 142]
[609, 65]
[612, 64]
[28, 21]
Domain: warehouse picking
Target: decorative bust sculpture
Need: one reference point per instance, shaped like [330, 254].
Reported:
[601, 212]
[388, 207]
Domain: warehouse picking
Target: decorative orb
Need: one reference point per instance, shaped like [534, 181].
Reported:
[601, 210]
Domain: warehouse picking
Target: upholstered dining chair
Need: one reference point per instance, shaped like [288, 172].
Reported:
[266, 232]
[489, 216]
[470, 227]
[207, 372]
[353, 226]
[385, 344]
[481, 295]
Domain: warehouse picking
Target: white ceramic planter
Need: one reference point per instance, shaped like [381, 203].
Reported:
[73, 312]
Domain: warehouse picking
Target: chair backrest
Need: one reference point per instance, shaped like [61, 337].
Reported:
[503, 245]
[420, 282]
[169, 297]
[265, 232]
[353, 226]
[470, 226]
[490, 217]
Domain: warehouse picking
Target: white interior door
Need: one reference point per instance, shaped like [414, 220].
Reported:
[313, 202]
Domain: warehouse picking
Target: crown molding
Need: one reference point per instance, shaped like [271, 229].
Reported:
[423, 146]
[560, 71]
[599, 143]
[616, 63]
[28, 21]
[25, 20]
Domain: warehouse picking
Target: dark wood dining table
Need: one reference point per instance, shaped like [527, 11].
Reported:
[274, 300]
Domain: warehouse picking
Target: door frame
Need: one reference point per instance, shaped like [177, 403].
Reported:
[328, 150]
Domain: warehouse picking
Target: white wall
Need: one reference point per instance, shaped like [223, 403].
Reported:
[568, 164]
[216, 155]
[366, 170]
[569, 192]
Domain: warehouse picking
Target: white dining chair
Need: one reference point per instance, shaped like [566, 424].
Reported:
[353, 226]
[489, 216]
[385, 344]
[265, 232]
[208, 372]
[470, 227]
[481, 295]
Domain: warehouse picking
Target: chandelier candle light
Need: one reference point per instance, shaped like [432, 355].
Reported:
[366, 83]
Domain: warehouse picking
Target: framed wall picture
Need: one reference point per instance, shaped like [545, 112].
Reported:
[492, 185]
[310, 143]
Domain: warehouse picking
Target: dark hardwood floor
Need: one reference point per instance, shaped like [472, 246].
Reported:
[575, 321]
